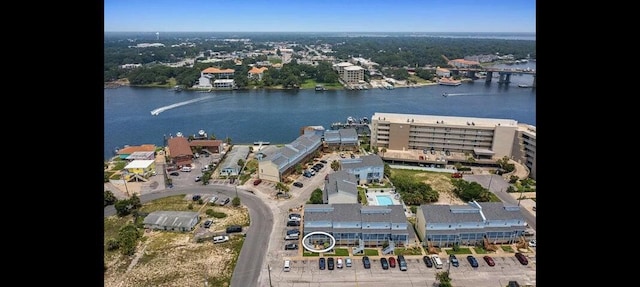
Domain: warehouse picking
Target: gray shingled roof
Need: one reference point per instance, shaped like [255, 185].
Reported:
[236, 153]
[332, 136]
[340, 181]
[363, 161]
[349, 136]
[354, 212]
[470, 213]
[290, 154]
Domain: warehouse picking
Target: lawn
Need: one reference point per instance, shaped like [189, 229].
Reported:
[459, 251]
[311, 84]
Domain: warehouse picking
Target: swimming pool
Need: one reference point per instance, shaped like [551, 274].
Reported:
[384, 200]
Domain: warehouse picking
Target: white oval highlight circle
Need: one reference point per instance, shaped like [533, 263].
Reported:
[332, 240]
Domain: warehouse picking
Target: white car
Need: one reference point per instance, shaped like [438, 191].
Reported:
[347, 262]
[532, 243]
[220, 239]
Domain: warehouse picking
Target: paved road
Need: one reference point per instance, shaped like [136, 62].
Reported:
[252, 255]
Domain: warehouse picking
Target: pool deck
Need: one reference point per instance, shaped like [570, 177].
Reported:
[373, 200]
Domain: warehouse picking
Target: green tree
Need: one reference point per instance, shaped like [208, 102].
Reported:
[316, 197]
[109, 198]
[383, 150]
[123, 207]
[128, 237]
[335, 165]
[236, 201]
[443, 279]
[241, 162]
[134, 200]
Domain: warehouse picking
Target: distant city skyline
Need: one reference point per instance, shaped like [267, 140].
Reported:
[514, 16]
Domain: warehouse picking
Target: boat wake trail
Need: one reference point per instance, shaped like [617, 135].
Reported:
[460, 94]
[162, 109]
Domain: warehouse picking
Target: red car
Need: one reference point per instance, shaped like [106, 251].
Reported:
[523, 259]
[392, 262]
[456, 175]
[489, 260]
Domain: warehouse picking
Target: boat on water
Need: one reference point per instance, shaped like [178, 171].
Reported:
[525, 86]
[177, 89]
[449, 82]
[445, 95]
[320, 88]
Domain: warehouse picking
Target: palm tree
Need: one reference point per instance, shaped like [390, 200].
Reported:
[383, 150]
[335, 165]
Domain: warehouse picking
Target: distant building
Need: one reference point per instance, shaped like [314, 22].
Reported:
[353, 75]
[224, 83]
[339, 67]
[442, 72]
[142, 155]
[213, 146]
[182, 221]
[211, 73]
[142, 168]
[341, 140]
[256, 73]
[462, 63]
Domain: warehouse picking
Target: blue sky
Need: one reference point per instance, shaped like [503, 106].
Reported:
[319, 16]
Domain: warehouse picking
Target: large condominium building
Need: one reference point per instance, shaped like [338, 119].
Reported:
[353, 75]
[483, 138]
[339, 67]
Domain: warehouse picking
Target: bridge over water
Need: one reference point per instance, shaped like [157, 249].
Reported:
[504, 75]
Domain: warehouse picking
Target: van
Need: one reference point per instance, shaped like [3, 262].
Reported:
[287, 265]
[436, 261]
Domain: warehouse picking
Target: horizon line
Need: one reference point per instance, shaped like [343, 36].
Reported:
[300, 32]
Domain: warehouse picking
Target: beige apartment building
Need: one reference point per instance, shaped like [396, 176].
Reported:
[353, 75]
[485, 139]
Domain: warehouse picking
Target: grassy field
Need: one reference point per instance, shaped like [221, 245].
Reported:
[311, 84]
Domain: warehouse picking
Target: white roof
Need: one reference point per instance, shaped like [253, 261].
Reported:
[223, 81]
[141, 163]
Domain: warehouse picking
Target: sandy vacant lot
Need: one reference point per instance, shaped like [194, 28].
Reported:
[177, 259]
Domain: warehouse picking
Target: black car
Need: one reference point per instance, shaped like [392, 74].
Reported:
[293, 223]
[234, 228]
[293, 231]
[175, 173]
[472, 260]
[298, 184]
[321, 263]
[330, 263]
[427, 261]
[384, 263]
[291, 246]
[454, 260]
[366, 262]
[196, 197]
[225, 201]
[208, 223]
[323, 161]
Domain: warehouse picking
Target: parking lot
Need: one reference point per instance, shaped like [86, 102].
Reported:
[304, 271]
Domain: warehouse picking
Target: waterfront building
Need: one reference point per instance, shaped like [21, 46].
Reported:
[340, 187]
[213, 146]
[486, 139]
[126, 151]
[443, 72]
[141, 169]
[214, 74]
[179, 153]
[366, 169]
[446, 225]
[142, 155]
[276, 163]
[462, 63]
[256, 73]
[353, 75]
[339, 67]
[341, 140]
[352, 224]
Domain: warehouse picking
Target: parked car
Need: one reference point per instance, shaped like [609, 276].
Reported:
[292, 236]
[472, 260]
[402, 263]
[257, 181]
[291, 246]
[220, 239]
[456, 175]
[234, 228]
[208, 223]
[523, 259]
[293, 223]
[213, 199]
[384, 263]
[225, 201]
[339, 263]
[198, 178]
[323, 161]
[298, 184]
[392, 262]
[427, 261]
[489, 260]
[295, 216]
[366, 262]
[293, 232]
[321, 263]
[454, 260]
[196, 197]
[532, 243]
[347, 262]
[175, 173]
[330, 263]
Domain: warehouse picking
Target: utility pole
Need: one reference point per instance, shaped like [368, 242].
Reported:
[269, 269]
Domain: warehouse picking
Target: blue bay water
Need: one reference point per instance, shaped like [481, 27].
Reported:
[278, 116]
